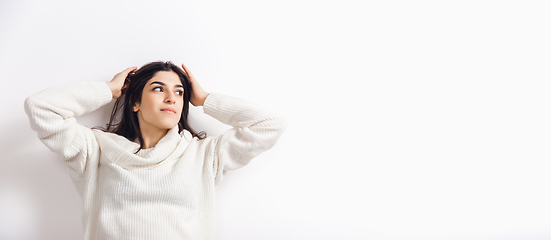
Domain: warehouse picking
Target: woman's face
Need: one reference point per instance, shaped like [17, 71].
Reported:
[162, 102]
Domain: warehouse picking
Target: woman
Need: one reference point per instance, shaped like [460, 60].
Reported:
[149, 175]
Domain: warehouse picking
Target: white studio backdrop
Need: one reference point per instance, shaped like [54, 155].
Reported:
[407, 119]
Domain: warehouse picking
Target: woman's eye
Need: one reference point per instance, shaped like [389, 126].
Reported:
[180, 93]
[158, 89]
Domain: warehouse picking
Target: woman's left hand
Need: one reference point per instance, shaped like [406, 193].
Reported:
[198, 95]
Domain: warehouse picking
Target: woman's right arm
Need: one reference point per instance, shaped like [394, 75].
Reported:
[52, 115]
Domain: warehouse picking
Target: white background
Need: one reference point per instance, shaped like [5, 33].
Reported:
[407, 119]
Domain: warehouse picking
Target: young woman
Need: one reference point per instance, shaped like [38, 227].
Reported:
[149, 175]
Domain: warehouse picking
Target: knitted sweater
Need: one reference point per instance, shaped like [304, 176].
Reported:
[164, 192]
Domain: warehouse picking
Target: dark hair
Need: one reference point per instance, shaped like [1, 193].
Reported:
[124, 121]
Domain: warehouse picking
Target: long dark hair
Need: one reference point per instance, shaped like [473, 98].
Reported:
[124, 121]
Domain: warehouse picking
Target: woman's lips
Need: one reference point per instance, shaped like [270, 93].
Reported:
[168, 110]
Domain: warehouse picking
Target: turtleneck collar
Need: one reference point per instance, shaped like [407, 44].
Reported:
[119, 150]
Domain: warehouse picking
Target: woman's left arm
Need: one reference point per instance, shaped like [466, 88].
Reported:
[254, 129]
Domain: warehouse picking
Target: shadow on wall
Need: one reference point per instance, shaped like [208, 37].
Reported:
[37, 197]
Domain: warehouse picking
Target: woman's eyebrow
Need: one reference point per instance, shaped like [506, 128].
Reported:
[160, 83]
[163, 84]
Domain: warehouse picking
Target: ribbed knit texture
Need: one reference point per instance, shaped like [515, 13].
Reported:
[165, 192]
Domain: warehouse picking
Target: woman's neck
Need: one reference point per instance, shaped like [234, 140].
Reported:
[152, 136]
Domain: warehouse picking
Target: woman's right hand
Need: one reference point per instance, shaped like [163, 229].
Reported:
[116, 85]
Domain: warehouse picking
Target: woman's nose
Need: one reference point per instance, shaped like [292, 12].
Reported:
[170, 98]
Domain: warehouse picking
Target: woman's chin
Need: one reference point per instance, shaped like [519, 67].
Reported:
[167, 126]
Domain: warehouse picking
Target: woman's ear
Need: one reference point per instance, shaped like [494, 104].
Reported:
[136, 107]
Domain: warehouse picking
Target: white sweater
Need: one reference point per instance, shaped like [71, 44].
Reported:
[165, 192]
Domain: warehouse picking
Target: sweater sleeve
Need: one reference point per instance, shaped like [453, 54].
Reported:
[254, 131]
[52, 115]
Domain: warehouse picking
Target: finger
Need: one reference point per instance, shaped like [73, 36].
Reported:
[184, 68]
[131, 69]
[187, 71]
